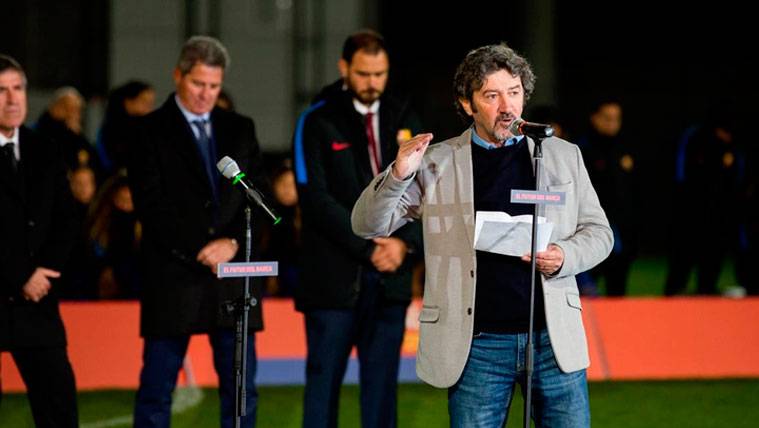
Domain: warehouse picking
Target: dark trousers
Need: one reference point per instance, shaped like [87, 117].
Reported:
[376, 328]
[161, 361]
[50, 385]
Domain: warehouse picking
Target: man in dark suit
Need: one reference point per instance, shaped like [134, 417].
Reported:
[353, 291]
[36, 235]
[192, 221]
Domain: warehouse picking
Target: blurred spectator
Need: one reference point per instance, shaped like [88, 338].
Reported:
[37, 228]
[225, 101]
[114, 234]
[62, 123]
[709, 173]
[125, 104]
[80, 272]
[283, 240]
[610, 161]
[83, 185]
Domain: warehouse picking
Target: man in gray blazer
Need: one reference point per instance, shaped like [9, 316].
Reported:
[479, 355]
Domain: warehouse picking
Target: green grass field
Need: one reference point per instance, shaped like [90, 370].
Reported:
[648, 275]
[721, 403]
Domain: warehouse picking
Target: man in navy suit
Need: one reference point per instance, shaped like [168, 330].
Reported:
[191, 222]
[36, 236]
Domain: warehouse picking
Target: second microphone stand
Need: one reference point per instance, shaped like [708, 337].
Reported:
[240, 307]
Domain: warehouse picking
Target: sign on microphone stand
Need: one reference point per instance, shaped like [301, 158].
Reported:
[537, 197]
[248, 269]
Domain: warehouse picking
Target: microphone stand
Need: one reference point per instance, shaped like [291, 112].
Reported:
[538, 157]
[241, 308]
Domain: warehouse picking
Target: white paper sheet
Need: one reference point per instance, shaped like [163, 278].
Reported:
[498, 232]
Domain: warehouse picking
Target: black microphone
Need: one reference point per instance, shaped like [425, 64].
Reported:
[229, 168]
[535, 130]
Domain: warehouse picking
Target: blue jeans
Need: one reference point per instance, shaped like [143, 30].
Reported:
[161, 361]
[376, 328]
[482, 396]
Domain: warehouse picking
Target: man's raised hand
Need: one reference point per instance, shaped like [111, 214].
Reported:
[410, 155]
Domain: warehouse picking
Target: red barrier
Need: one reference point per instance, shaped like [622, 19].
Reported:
[629, 338]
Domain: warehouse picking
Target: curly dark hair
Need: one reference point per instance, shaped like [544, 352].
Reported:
[480, 63]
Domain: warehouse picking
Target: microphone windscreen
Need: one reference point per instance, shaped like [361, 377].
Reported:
[516, 126]
[228, 167]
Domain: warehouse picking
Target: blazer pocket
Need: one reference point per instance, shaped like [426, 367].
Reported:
[429, 314]
[560, 187]
[573, 300]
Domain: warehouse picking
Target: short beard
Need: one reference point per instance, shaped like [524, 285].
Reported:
[502, 134]
[367, 97]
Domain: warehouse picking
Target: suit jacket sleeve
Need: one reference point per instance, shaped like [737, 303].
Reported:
[386, 205]
[411, 233]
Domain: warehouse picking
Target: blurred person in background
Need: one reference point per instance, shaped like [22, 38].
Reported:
[709, 177]
[611, 164]
[225, 101]
[62, 123]
[353, 292]
[126, 104]
[191, 222]
[37, 227]
[79, 275]
[283, 241]
[114, 235]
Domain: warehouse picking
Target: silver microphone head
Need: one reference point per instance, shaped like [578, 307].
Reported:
[228, 167]
[516, 126]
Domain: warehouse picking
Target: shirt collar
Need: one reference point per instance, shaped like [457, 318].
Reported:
[363, 109]
[14, 139]
[476, 139]
[5, 140]
[190, 116]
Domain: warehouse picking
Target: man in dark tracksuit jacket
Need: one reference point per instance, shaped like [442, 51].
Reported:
[353, 291]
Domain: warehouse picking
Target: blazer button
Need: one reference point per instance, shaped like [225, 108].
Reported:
[469, 311]
[30, 223]
[211, 230]
[253, 301]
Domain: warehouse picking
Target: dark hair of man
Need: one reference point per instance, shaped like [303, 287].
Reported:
[8, 63]
[480, 63]
[368, 41]
[202, 50]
